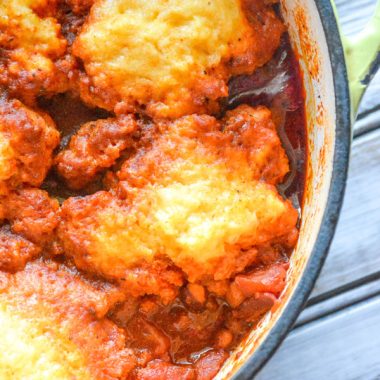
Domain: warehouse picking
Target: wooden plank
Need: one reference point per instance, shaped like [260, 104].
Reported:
[344, 346]
[354, 254]
[371, 100]
[368, 122]
[339, 302]
[353, 14]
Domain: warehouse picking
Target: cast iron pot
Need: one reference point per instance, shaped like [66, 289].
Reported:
[336, 72]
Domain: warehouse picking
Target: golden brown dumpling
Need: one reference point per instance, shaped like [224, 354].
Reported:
[31, 45]
[174, 57]
[53, 326]
[197, 196]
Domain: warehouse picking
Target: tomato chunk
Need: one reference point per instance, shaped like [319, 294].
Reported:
[255, 307]
[267, 280]
[209, 365]
[160, 370]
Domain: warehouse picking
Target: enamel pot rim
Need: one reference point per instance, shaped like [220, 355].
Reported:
[334, 202]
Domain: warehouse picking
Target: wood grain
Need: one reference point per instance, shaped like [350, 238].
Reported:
[353, 14]
[344, 346]
[340, 301]
[354, 254]
[368, 122]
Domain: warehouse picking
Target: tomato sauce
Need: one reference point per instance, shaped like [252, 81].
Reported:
[141, 296]
[193, 335]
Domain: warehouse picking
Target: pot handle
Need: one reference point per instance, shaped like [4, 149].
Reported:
[363, 57]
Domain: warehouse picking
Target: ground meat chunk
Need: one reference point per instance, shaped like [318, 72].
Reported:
[95, 147]
[32, 214]
[189, 330]
[15, 251]
[27, 140]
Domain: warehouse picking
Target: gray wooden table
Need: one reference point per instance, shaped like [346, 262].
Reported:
[337, 336]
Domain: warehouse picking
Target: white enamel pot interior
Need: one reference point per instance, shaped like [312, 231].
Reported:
[315, 37]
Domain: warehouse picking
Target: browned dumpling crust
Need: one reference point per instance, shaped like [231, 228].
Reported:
[54, 326]
[199, 195]
[171, 58]
[33, 49]
[30, 219]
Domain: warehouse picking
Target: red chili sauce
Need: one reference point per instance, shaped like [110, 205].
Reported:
[193, 336]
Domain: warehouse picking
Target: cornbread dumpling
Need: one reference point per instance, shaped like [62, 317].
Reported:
[31, 45]
[195, 196]
[172, 57]
[53, 326]
[27, 141]
[28, 352]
